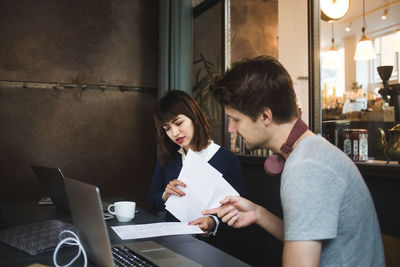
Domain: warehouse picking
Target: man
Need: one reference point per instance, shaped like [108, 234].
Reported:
[329, 217]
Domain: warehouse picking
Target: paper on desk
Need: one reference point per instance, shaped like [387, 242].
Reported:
[205, 187]
[135, 231]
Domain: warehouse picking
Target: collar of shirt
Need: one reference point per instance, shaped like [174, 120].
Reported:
[205, 154]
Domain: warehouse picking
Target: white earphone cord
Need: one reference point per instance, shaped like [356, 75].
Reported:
[73, 241]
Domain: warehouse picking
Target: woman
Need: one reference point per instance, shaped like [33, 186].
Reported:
[181, 125]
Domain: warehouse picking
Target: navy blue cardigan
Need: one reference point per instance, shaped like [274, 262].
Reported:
[223, 160]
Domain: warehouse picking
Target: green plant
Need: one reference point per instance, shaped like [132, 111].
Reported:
[204, 77]
[355, 86]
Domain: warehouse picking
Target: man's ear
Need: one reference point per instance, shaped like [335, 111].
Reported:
[266, 116]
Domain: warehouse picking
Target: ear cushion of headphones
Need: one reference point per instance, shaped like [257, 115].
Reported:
[274, 164]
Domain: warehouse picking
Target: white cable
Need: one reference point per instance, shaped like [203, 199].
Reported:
[73, 241]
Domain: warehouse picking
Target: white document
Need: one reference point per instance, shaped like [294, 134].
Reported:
[135, 231]
[205, 187]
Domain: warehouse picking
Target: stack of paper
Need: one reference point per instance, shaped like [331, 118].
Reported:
[155, 229]
[205, 187]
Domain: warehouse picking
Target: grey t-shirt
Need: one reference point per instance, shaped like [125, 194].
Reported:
[325, 198]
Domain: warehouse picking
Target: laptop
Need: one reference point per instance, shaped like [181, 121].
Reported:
[52, 180]
[87, 217]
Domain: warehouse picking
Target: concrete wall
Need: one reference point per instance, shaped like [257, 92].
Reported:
[96, 42]
[102, 136]
[293, 48]
[255, 25]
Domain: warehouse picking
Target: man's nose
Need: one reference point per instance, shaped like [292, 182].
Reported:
[231, 126]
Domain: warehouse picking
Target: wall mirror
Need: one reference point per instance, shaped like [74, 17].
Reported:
[208, 59]
[352, 49]
[226, 31]
[335, 92]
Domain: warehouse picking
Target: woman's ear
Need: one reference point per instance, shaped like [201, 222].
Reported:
[266, 116]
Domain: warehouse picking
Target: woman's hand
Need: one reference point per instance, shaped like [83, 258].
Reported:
[172, 189]
[206, 223]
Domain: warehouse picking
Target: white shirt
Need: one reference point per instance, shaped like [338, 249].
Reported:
[205, 154]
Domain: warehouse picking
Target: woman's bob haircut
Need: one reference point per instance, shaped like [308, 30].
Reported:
[174, 103]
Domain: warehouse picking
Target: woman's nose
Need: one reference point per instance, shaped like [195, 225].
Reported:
[175, 130]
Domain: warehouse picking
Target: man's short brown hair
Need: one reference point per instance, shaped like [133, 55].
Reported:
[252, 85]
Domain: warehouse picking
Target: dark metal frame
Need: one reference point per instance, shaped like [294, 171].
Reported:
[314, 90]
[204, 6]
[226, 63]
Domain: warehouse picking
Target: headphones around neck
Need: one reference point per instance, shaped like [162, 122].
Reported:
[275, 163]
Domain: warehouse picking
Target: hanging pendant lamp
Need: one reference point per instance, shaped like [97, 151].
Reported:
[333, 9]
[364, 51]
[331, 58]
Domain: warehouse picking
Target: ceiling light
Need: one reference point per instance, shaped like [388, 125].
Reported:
[333, 9]
[384, 15]
[364, 50]
[348, 27]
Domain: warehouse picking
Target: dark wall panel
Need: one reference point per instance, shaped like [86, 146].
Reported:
[102, 136]
[105, 138]
[253, 244]
[112, 42]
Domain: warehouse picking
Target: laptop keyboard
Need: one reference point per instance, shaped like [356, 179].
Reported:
[124, 256]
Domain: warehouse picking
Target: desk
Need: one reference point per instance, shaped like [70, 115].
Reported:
[24, 213]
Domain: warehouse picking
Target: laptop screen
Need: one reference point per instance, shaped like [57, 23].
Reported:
[53, 183]
[87, 217]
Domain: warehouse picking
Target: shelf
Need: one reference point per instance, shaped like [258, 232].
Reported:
[376, 168]
[379, 168]
[251, 159]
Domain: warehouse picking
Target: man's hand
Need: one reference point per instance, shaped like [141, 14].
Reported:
[172, 189]
[236, 211]
[206, 223]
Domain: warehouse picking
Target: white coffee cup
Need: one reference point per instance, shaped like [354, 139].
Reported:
[123, 210]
